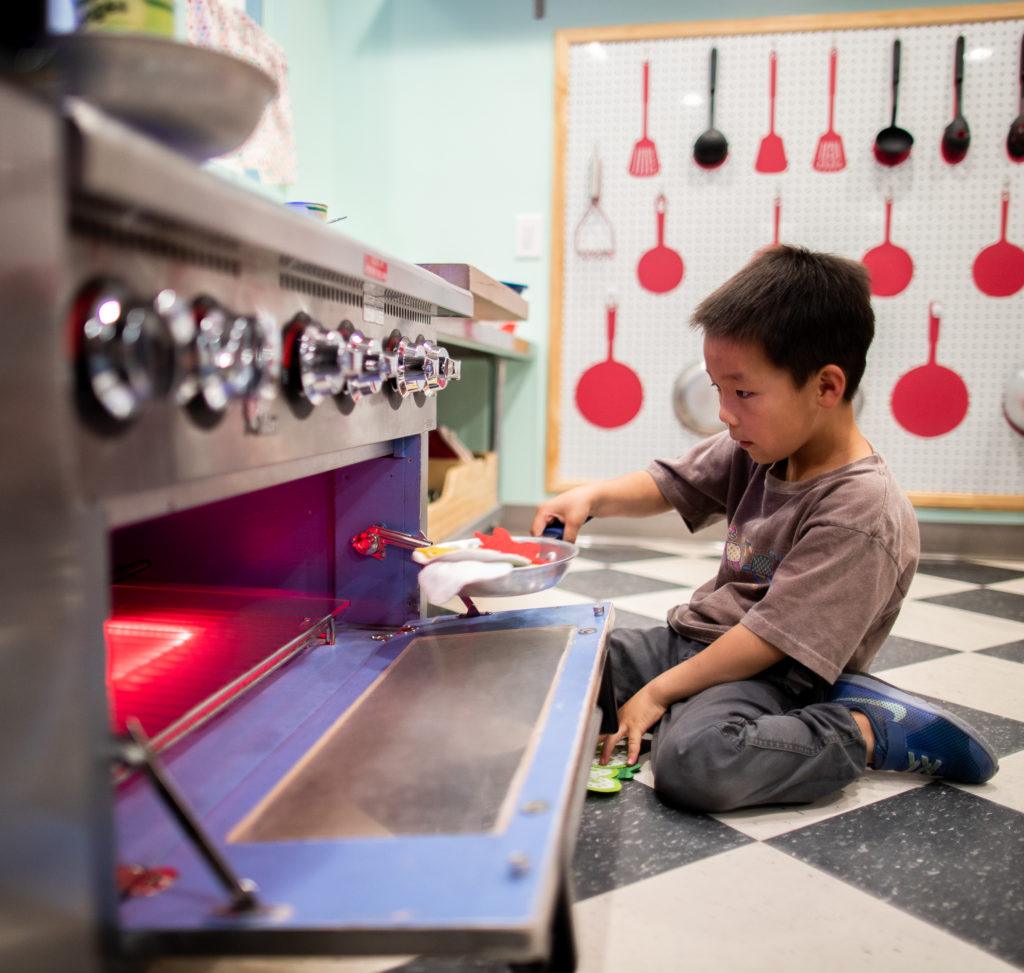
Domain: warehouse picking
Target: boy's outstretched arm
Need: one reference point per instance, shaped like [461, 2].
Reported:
[736, 655]
[632, 495]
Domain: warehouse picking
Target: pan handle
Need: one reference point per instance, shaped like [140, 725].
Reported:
[556, 528]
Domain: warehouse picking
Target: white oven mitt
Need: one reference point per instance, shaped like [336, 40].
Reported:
[442, 580]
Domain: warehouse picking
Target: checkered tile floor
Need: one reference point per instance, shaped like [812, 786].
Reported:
[895, 872]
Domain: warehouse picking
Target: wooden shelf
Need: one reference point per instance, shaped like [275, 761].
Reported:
[482, 338]
[492, 300]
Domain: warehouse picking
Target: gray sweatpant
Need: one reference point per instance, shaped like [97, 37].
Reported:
[766, 740]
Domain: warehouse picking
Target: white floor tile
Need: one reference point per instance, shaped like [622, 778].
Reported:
[682, 547]
[582, 564]
[687, 571]
[980, 681]
[1015, 586]
[654, 604]
[1007, 787]
[954, 628]
[754, 909]
[929, 586]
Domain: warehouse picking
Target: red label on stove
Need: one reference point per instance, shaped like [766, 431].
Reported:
[375, 267]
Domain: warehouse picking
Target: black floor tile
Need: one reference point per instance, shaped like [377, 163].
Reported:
[609, 583]
[613, 553]
[896, 651]
[985, 601]
[629, 836]
[966, 571]
[625, 619]
[939, 853]
[1013, 651]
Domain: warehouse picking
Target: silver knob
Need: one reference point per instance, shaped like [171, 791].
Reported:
[375, 364]
[218, 346]
[312, 358]
[124, 352]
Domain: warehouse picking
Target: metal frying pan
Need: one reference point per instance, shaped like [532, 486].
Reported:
[530, 579]
[695, 401]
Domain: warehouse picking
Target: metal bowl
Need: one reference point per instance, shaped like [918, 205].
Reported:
[527, 580]
[201, 102]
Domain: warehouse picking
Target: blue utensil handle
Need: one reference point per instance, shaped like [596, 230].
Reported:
[556, 528]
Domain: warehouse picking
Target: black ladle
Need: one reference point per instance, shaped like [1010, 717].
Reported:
[1015, 137]
[956, 138]
[893, 144]
[711, 147]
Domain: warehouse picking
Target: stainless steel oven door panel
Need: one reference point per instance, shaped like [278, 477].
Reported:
[499, 786]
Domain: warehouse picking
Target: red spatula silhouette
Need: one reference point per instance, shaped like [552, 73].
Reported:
[930, 400]
[771, 156]
[830, 156]
[644, 160]
[501, 540]
[609, 394]
[661, 268]
[889, 266]
[999, 268]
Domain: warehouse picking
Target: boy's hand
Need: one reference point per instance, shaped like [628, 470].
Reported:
[571, 507]
[637, 715]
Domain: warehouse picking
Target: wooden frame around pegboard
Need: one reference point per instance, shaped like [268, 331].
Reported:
[974, 451]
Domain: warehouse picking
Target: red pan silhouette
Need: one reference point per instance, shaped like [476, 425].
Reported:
[889, 266]
[930, 400]
[609, 394]
[661, 268]
[999, 268]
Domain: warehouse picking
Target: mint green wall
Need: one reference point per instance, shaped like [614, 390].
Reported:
[429, 124]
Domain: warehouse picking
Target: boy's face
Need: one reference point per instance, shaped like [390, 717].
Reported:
[767, 414]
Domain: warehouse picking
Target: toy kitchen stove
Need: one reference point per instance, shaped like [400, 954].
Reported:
[228, 731]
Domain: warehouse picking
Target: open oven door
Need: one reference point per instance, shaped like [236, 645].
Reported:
[398, 792]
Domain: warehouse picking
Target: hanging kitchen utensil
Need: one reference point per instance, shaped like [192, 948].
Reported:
[930, 400]
[711, 147]
[661, 268]
[594, 238]
[956, 138]
[776, 224]
[1015, 137]
[695, 401]
[609, 394]
[644, 161]
[889, 266]
[999, 268]
[893, 144]
[830, 156]
[1013, 401]
[771, 156]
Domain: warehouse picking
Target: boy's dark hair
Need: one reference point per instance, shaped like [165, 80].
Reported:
[805, 310]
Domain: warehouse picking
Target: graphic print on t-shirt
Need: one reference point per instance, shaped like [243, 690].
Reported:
[741, 556]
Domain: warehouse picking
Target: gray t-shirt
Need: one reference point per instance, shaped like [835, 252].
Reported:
[818, 568]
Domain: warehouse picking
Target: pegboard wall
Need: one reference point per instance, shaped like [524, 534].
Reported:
[943, 215]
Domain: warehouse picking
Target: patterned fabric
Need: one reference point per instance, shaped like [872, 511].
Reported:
[270, 150]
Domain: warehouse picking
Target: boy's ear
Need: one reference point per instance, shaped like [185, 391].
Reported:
[831, 386]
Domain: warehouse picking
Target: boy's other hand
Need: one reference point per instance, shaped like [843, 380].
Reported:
[637, 715]
[571, 507]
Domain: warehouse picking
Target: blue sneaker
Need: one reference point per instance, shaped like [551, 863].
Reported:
[914, 735]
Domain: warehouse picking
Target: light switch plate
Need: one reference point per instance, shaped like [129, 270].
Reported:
[529, 235]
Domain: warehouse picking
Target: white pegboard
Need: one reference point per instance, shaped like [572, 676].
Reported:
[943, 215]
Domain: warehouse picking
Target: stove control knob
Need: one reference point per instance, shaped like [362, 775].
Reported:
[124, 353]
[409, 377]
[266, 360]
[431, 365]
[449, 369]
[371, 364]
[312, 360]
[218, 367]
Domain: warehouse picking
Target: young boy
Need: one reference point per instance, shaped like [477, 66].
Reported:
[756, 690]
